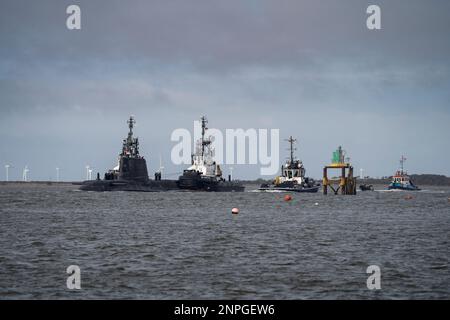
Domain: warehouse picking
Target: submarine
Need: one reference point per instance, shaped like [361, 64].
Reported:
[131, 172]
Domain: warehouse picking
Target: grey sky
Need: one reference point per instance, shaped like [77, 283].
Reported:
[310, 68]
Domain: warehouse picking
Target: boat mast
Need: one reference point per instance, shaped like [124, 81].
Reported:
[130, 144]
[291, 141]
[204, 141]
[131, 123]
[402, 162]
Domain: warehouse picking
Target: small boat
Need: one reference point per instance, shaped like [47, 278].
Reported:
[401, 180]
[292, 177]
[366, 187]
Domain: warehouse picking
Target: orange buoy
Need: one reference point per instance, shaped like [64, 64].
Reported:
[235, 211]
[287, 197]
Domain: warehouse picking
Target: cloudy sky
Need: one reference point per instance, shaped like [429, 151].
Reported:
[309, 68]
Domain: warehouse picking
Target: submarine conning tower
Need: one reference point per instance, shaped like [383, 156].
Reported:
[131, 165]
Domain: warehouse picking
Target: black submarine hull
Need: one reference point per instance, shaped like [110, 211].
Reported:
[132, 176]
[124, 185]
[159, 186]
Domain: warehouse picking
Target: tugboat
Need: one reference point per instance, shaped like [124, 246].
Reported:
[131, 172]
[205, 174]
[292, 177]
[401, 180]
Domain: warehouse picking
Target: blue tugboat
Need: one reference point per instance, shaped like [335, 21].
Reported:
[401, 180]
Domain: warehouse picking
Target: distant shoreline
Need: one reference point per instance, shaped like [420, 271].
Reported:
[31, 183]
[419, 179]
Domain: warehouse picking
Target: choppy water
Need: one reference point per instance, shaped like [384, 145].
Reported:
[188, 245]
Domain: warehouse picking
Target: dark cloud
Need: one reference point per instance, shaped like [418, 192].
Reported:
[300, 66]
[225, 33]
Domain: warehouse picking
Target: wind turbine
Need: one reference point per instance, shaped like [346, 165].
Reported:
[87, 172]
[57, 174]
[7, 166]
[160, 165]
[361, 173]
[25, 173]
[90, 174]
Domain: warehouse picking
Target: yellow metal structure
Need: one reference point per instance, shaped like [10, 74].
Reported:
[346, 182]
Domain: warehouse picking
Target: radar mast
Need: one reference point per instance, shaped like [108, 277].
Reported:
[130, 145]
[291, 141]
[205, 142]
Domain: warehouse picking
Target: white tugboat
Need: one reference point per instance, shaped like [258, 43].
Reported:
[292, 177]
[205, 174]
[401, 179]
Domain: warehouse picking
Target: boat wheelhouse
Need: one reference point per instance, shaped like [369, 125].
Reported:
[205, 173]
[292, 176]
[401, 179]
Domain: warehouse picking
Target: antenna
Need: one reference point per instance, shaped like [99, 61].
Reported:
[402, 162]
[204, 128]
[7, 166]
[131, 122]
[160, 164]
[291, 141]
[25, 173]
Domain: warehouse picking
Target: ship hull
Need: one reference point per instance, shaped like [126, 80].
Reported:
[291, 186]
[405, 188]
[223, 186]
[291, 189]
[124, 185]
[192, 181]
